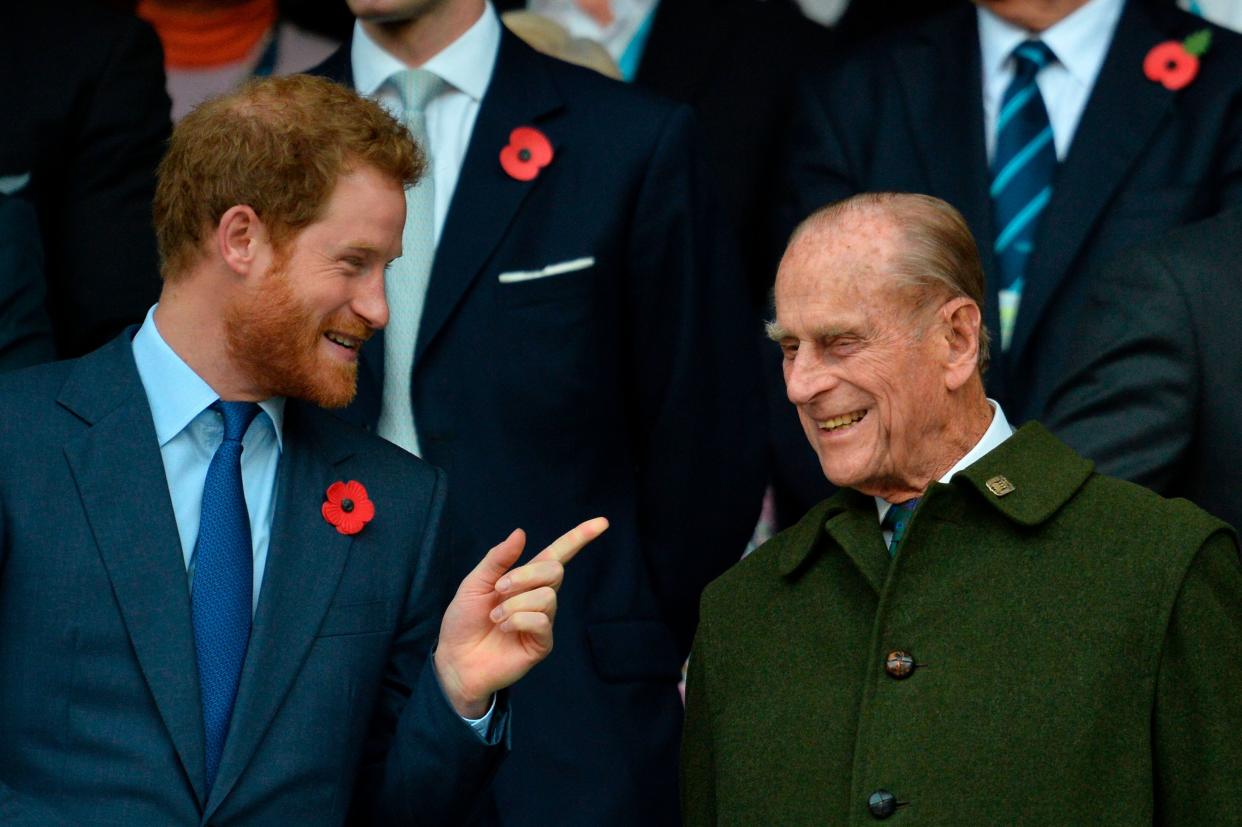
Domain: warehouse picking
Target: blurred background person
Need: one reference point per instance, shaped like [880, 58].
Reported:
[211, 46]
[574, 307]
[86, 121]
[1058, 130]
[1156, 396]
[25, 331]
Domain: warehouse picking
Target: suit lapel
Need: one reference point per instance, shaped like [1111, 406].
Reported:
[120, 477]
[304, 564]
[1122, 112]
[486, 199]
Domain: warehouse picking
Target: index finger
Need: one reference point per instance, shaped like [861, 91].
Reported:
[563, 549]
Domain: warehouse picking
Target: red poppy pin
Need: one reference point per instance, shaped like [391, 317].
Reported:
[1174, 63]
[348, 508]
[527, 152]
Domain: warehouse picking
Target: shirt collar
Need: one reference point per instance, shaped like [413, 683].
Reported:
[465, 64]
[1080, 40]
[176, 394]
[998, 431]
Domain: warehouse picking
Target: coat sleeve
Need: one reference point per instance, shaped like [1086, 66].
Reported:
[694, 374]
[422, 764]
[1198, 709]
[1128, 406]
[698, 768]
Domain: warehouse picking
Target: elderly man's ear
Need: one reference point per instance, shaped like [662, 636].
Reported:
[241, 239]
[962, 322]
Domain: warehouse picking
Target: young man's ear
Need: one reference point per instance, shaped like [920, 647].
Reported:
[963, 321]
[241, 239]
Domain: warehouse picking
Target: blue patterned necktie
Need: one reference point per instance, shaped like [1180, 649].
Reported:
[221, 594]
[896, 520]
[1023, 166]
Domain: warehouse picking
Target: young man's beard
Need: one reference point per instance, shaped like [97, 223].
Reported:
[277, 341]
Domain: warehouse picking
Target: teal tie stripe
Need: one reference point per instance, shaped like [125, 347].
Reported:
[1023, 166]
[897, 520]
[222, 591]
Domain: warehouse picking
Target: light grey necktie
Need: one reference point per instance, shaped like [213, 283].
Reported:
[406, 284]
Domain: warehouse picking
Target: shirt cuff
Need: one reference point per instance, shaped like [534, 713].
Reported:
[482, 726]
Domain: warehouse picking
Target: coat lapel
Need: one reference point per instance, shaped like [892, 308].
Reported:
[304, 564]
[1122, 112]
[486, 199]
[849, 519]
[120, 477]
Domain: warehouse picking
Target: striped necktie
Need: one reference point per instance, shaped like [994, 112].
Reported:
[221, 592]
[896, 520]
[409, 277]
[1023, 166]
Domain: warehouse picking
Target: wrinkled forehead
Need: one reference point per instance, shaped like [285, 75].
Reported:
[844, 266]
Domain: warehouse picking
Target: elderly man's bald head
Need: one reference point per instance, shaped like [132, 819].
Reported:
[919, 242]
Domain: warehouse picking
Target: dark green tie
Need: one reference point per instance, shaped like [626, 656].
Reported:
[896, 520]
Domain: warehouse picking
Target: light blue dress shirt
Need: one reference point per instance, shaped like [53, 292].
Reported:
[189, 434]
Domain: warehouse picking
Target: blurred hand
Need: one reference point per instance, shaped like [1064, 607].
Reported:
[499, 624]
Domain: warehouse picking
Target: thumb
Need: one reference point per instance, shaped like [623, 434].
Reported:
[498, 560]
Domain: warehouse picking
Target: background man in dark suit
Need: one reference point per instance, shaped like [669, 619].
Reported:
[25, 332]
[290, 682]
[86, 118]
[926, 110]
[1157, 395]
[578, 314]
[976, 628]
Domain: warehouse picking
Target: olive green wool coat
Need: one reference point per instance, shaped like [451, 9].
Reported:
[1078, 644]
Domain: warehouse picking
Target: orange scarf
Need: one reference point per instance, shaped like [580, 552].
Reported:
[208, 38]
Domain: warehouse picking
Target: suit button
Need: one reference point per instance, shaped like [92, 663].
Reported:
[882, 804]
[899, 665]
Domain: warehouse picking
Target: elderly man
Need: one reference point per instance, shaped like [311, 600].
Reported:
[976, 629]
[218, 603]
[1057, 130]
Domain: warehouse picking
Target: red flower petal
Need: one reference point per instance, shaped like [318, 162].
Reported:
[364, 510]
[350, 525]
[515, 166]
[355, 491]
[531, 139]
[1170, 65]
[336, 491]
[332, 512]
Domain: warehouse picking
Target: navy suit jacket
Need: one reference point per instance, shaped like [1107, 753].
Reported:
[338, 714]
[628, 389]
[905, 113]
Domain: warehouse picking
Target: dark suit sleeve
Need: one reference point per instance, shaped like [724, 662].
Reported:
[1198, 711]
[422, 763]
[25, 331]
[100, 243]
[696, 378]
[1130, 405]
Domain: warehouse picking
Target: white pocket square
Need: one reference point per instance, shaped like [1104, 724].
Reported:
[551, 270]
[9, 184]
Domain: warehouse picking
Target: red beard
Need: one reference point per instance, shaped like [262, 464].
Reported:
[278, 342]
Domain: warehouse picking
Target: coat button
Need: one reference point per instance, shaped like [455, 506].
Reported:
[899, 665]
[882, 804]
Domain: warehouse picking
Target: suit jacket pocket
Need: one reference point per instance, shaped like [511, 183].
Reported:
[523, 289]
[356, 619]
[633, 650]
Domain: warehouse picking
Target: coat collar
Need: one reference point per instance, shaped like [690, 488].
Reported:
[1044, 472]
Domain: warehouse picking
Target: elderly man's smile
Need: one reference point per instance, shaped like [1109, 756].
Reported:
[843, 422]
